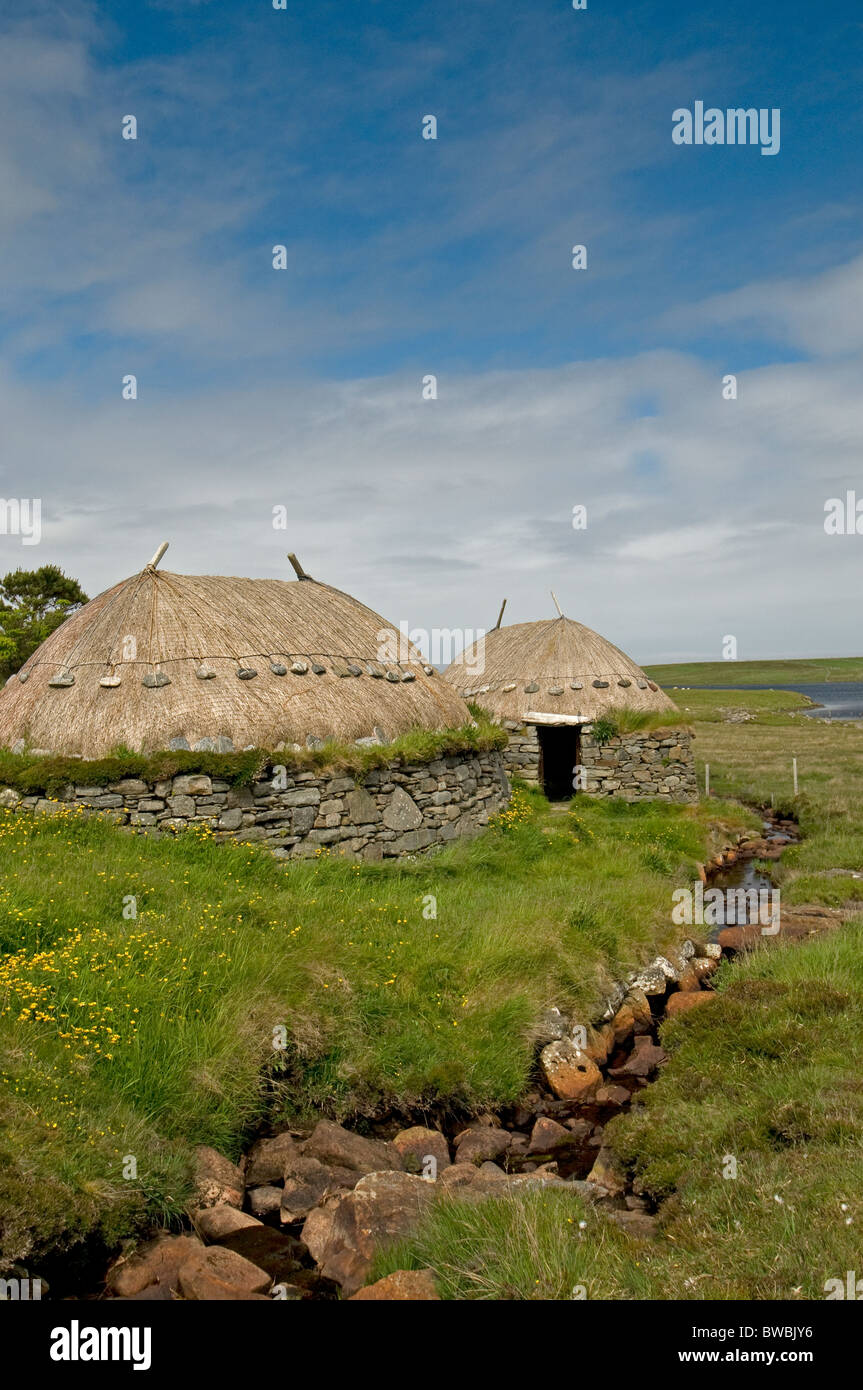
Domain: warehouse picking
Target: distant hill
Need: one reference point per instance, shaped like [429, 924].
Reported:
[734, 674]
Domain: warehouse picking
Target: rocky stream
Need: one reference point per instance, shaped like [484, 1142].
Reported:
[302, 1214]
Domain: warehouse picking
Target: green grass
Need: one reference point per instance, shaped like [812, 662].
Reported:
[52, 773]
[145, 1036]
[810, 671]
[769, 1075]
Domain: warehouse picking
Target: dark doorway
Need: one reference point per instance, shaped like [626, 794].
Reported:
[559, 750]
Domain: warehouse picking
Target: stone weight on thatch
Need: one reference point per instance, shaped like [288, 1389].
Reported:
[188, 631]
[571, 663]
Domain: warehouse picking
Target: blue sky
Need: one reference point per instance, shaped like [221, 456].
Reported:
[407, 257]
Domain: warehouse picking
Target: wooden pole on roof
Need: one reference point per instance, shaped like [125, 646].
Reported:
[499, 616]
[556, 604]
[158, 555]
[298, 569]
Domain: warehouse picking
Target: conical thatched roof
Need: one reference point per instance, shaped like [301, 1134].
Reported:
[552, 668]
[163, 657]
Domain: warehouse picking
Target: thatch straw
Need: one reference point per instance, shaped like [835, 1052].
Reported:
[533, 667]
[186, 673]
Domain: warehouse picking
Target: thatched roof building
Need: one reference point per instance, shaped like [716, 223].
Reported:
[546, 682]
[174, 660]
[555, 670]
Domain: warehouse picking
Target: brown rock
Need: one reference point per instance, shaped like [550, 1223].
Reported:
[481, 1145]
[265, 1201]
[318, 1227]
[703, 967]
[689, 980]
[276, 1253]
[633, 1017]
[212, 1223]
[612, 1095]
[417, 1144]
[341, 1148]
[548, 1137]
[607, 1173]
[267, 1159]
[599, 1043]
[156, 1264]
[635, 1223]
[217, 1179]
[642, 1061]
[383, 1207]
[579, 1129]
[404, 1285]
[307, 1183]
[682, 1003]
[219, 1274]
[570, 1073]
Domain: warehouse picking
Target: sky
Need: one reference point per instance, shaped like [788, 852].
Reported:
[284, 410]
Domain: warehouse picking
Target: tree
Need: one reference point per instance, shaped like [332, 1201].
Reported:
[32, 604]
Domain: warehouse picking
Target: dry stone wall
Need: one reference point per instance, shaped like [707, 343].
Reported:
[659, 764]
[400, 809]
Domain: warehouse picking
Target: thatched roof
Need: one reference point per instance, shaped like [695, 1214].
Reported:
[163, 657]
[552, 668]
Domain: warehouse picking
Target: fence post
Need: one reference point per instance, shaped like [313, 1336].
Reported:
[707, 779]
[794, 765]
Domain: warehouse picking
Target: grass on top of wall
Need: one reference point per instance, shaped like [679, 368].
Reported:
[51, 774]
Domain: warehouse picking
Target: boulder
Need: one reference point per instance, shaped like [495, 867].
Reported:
[212, 1223]
[307, 1183]
[417, 1144]
[217, 1179]
[267, 1158]
[642, 1061]
[635, 1223]
[401, 812]
[481, 1144]
[548, 1137]
[341, 1148]
[157, 1263]
[403, 1285]
[607, 1173]
[276, 1253]
[570, 1073]
[632, 1017]
[551, 1026]
[612, 1095]
[343, 1237]
[265, 1201]
[682, 1003]
[220, 1274]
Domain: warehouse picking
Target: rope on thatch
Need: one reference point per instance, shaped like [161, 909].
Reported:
[196, 639]
[580, 673]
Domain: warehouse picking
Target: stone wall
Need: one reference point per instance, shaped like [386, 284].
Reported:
[658, 764]
[521, 755]
[391, 811]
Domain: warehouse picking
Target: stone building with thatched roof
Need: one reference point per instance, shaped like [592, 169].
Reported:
[211, 663]
[572, 704]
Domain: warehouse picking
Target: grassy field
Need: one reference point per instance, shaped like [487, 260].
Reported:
[143, 1035]
[737, 673]
[769, 1076]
